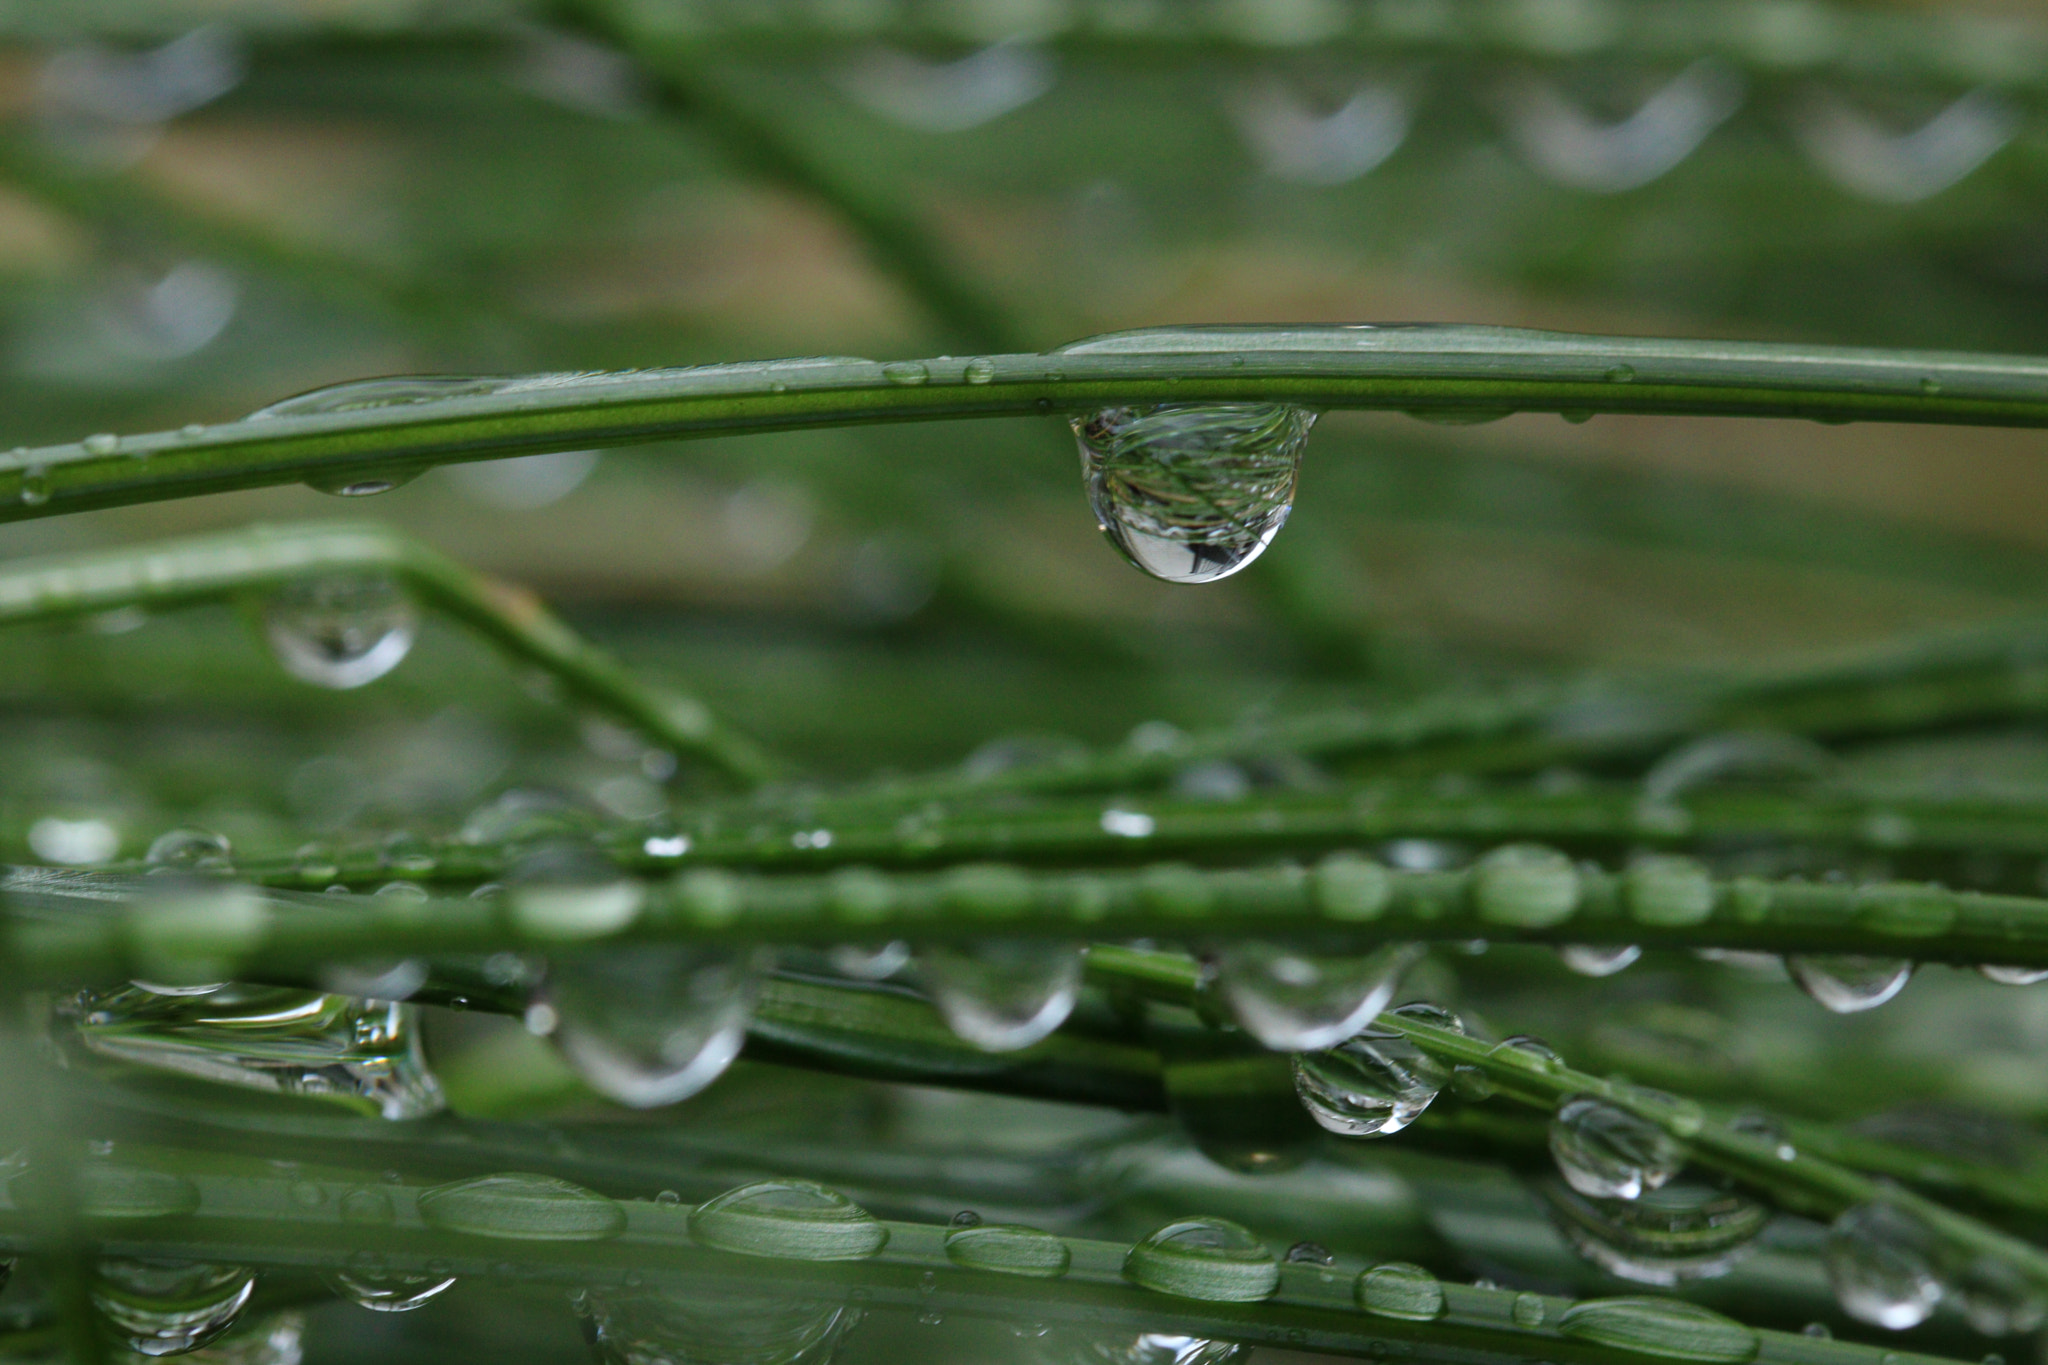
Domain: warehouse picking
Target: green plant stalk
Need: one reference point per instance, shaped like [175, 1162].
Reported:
[1455, 370]
[236, 563]
[299, 1224]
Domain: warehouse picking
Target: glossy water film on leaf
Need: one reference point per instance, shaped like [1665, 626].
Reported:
[655, 1023]
[1191, 493]
[1295, 1000]
[1665, 1237]
[1605, 1152]
[1003, 994]
[161, 1308]
[1882, 1263]
[1847, 985]
[1368, 1086]
[339, 631]
[691, 1326]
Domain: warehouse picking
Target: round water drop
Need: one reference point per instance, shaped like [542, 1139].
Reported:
[908, 373]
[382, 1293]
[656, 1023]
[34, 486]
[568, 890]
[1605, 1152]
[1400, 1290]
[1003, 994]
[1669, 1328]
[198, 850]
[675, 1325]
[1204, 1258]
[1368, 1086]
[1191, 493]
[1528, 1310]
[1008, 1249]
[1525, 886]
[1530, 1051]
[791, 1218]
[1846, 985]
[1667, 891]
[979, 371]
[1294, 1001]
[522, 1207]
[1665, 1237]
[2012, 976]
[1598, 959]
[339, 631]
[1880, 1260]
[162, 1308]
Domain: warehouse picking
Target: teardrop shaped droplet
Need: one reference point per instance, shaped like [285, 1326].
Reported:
[1598, 959]
[162, 1308]
[339, 631]
[387, 1293]
[2012, 976]
[1669, 1328]
[522, 1207]
[1665, 1237]
[655, 1023]
[1368, 1086]
[1191, 493]
[1846, 985]
[1008, 1249]
[678, 1325]
[1003, 994]
[1605, 1152]
[1297, 1001]
[1880, 1260]
[1204, 1258]
[1400, 1290]
[792, 1218]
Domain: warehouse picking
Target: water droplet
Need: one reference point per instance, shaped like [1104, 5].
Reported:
[723, 1326]
[1293, 1001]
[979, 371]
[162, 1308]
[908, 373]
[1423, 1012]
[1204, 1258]
[1008, 1249]
[656, 1023]
[101, 443]
[341, 630]
[1309, 1253]
[384, 1293]
[1598, 959]
[870, 964]
[1736, 756]
[366, 1206]
[1527, 1050]
[1845, 985]
[1880, 1260]
[1368, 1086]
[522, 1207]
[1191, 493]
[1684, 1231]
[1996, 1298]
[34, 486]
[1003, 994]
[195, 849]
[1400, 1290]
[568, 890]
[791, 1218]
[2012, 976]
[1127, 824]
[1930, 386]
[1528, 1310]
[1621, 374]
[1667, 891]
[350, 483]
[1525, 886]
[1605, 1152]
[1669, 1328]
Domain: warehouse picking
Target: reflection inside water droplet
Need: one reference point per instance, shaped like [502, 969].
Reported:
[1296, 1001]
[657, 1023]
[1368, 1086]
[1191, 493]
[685, 1326]
[340, 631]
[1880, 1260]
[162, 1308]
[1846, 985]
[1683, 1231]
[1605, 1152]
[1003, 994]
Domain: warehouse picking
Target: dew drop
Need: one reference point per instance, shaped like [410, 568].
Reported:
[1525, 886]
[34, 486]
[1996, 1299]
[674, 1325]
[2012, 976]
[1598, 959]
[567, 890]
[1309, 1253]
[1621, 374]
[979, 371]
[1191, 493]
[1529, 1051]
[1668, 1328]
[908, 373]
[1667, 891]
[790, 1218]
[865, 963]
[522, 1207]
[1204, 1258]
[1400, 1290]
[384, 1293]
[1294, 1001]
[1368, 1086]
[1605, 1152]
[1008, 1249]
[1880, 1260]
[656, 1023]
[161, 1308]
[348, 483]
[1003, 994]
[1528, 1310]
[339, 631]
[199, 850]
[1665, 1237]
[101, 443]
[1846, 985]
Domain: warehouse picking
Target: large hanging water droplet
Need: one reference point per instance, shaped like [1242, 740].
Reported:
[1606, 1152]
[1846, 985]
[1008, 1249]
[1191, 493]
[656, 1023]
[1295, 1001]
[1684, 1231]
[162, 1308]
[1370, 1086]
[1003, 994]
[1670, 1328]
[790, 1218]
[522, 1207]
[383, 1292]
[1204, 1258]
[340, 631]
[1400, 1290]
[363, 1052]
[1880, 1260]
[679, 1326]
